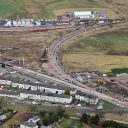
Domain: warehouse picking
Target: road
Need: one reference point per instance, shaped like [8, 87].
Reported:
[70, 108]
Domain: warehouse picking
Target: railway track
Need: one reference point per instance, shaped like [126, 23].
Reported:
[53, 57]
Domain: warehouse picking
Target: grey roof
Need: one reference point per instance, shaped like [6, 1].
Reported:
[2, 22]
[2, 70]
[44, 93]
[15, 93]
[43, 126]
[35, 117]
[28, 82]
[9, 92]
[84, 94]
[59, 87]
[29, 124]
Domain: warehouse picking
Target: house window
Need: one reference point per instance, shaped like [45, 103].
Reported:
[56, 92]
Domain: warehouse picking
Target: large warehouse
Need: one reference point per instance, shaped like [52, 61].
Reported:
[83, 14]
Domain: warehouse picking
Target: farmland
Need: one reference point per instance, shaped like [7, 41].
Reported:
[45, 8]
[100, 52]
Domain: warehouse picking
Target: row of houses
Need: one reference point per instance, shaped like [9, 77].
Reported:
[41, 91]
[35, 95]
[49, 97]
[86, 98]
[25, 22]
[30, 22]
[37, 86]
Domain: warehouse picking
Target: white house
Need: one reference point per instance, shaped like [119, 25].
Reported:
[28, 125]
[86, 98]
[2, 117]
[56, 89]
[20, 85]
[32, 123]
[7, 93]
[34, 119]
[34, 87]
[8, 23]
[2, 70]
[46, 97]
[49, 88]
[5, 82]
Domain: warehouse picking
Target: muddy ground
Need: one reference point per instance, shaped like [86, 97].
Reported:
[28, 45]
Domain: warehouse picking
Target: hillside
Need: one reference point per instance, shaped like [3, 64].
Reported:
[101, 52]
[44, 8]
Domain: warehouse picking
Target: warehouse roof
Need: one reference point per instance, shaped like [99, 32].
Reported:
[83, 13]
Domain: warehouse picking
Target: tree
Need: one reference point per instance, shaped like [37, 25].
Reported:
[113, 124]
[95, 119]
[85, 118]
[67, 92]
[61, 112]
[2, 104]
[32, 108]
[42, 113]
[46, 121]
[66, 115]
[54, 117]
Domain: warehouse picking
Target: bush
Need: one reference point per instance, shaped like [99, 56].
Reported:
[85, 118]
[67, 92]
[113, 124]
[49, 117]
[61, 112]
[95, 119]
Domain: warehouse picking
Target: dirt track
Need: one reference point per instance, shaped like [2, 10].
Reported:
[21, 117]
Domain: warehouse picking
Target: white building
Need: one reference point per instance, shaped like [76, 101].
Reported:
[28, 125]
[86, 98]
[56, 89]
[5, 82]
[46, 97]
[83, 14]
[2, 117]
[21, 86]
[8, 23]
[2, 70]
[49, 88]
[34, 119]
[7, 93]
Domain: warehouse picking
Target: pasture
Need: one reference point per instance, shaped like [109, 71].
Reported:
[45, 8]
[102, 52]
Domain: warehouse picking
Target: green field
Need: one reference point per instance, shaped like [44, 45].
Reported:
[67, 123]
[10, 8]
[103, 52]
[43, 8]
[119, 70]
[103, 42]
[109, 106]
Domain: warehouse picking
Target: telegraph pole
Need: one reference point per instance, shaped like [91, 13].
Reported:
[23, 62]
[0, 54]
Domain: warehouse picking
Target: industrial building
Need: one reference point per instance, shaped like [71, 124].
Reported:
[83, 14]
